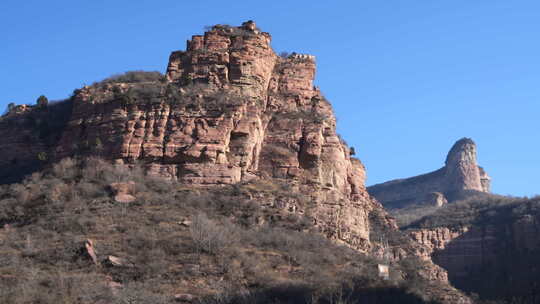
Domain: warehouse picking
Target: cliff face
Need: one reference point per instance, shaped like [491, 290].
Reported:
[494, 257]
[460, 173]
[244, 113]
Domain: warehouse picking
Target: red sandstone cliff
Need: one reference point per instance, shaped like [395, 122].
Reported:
[245, 113]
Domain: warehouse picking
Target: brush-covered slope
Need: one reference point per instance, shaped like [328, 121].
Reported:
[65, 239]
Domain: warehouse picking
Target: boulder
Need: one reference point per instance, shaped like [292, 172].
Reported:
[123, 192]
[89, 251]
[117, 261]
[436, 199]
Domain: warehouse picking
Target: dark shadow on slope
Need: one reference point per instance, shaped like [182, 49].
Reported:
[486, 262]
[32, 136]
[498, 257]
[293, 294]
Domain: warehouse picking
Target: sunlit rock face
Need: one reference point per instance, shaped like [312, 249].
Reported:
[462, 170]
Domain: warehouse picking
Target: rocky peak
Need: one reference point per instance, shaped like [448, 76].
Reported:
[462, 169]
[460, 173]
[463, 151]
[225, 55]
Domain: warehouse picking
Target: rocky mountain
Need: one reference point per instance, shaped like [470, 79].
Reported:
[228, 113]
[461, 173]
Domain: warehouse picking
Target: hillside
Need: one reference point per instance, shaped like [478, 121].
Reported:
[67, 240]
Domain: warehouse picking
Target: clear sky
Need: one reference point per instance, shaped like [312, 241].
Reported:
[406, 78]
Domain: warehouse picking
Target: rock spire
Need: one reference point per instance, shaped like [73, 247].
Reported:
[460, 173]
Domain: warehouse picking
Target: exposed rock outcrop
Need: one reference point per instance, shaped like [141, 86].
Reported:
[89, 251]
[460, 173]
[436, 239]
[436, 199]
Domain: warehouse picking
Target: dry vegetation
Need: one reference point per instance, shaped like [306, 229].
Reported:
[190, 95]
[473, 209]
[214, 244]
[134, 77]
[232, 31]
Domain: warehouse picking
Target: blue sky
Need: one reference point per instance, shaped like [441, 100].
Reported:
[406, 78]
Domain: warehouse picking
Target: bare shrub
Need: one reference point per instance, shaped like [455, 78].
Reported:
[284, 54]
[208, 236]
[411, 214]
[36, 286]
[306, 115]
[142, 94]
[65, 169]
[103, 172]
[474, 209]
[234, 31]
[135, 76]
[276, 150]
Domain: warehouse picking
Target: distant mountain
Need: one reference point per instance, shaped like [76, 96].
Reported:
[461, 174]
